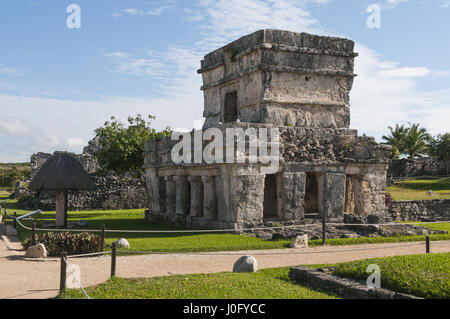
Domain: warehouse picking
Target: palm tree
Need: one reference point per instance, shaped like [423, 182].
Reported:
[416, 140]
[397, 140]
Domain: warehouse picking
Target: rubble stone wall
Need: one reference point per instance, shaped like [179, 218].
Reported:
[420, 210]
[415, 167]
[111, 193]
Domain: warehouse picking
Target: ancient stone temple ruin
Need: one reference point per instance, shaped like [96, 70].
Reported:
[295, 82]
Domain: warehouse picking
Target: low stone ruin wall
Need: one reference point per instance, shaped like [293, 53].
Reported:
[420, 210]
[111, 193]
[406, 167]
[323, 280]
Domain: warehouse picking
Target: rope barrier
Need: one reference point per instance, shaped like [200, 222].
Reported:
[269, 253]
[214, 230]
[89, 254]
[76, 279]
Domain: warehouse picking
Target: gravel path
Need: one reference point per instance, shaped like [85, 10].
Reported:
[27, 278]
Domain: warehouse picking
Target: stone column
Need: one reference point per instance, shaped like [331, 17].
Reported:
[209, 198]
[333, 195]
[183, 196]
[196, 209]
[293, 195]
[171, 195]
[156, 191]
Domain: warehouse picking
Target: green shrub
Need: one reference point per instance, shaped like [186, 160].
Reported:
[71, 243]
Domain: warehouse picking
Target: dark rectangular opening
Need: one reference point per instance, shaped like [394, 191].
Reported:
[230, 107]
[311, 205]
[270, 197]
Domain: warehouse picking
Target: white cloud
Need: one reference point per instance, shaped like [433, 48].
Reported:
[384, 94]
[404, 72]
[444, 5]
[392, 4]
[135, 12]
[8, 70]
[76, 142]
[226, 20]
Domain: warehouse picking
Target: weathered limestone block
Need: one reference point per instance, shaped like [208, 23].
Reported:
[334, 195]
[300, 242]
[171, 195]
[196, 186]
[297, 88]
[246, 264]
[292, 195]
[122, 243]
[37, 251]
[247, 198]
[209, 198]
[370, 189]
[183, 195]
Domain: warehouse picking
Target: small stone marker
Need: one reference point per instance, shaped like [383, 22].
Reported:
[37, 251]
[122, 243]
[300, 242]
[246, 264]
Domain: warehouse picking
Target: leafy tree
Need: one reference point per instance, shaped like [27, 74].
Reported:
[397, 139]
[411, 141]
[416, 141]
[439, 147]
[121, 147]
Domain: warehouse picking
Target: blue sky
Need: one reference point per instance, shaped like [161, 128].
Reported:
[58, 84]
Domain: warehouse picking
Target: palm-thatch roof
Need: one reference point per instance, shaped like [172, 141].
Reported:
[62, 171]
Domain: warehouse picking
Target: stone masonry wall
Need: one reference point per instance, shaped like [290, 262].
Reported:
[111, 193]
[420, 210]
[406, 167]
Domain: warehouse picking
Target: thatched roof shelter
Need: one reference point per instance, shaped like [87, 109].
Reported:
[62, 171]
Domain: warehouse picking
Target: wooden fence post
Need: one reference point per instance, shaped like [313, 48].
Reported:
[113, 259]
[427, 244]
[102, 240]
[33, 234]
[62, 282]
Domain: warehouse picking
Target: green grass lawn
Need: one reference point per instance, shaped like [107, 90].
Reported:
[416, 188]
[187, 242]
[265, 284]
[426, 275]
[134, 220]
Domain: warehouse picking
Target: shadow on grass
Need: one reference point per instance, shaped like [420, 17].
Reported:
[425, 184]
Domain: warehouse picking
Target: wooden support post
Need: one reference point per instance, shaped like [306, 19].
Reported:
[427, 244]
[62, 281]
[113, 259]
[33, 234]
[102, 240]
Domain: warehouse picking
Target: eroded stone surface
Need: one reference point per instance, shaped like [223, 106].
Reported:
[299, 84]
[246, 264]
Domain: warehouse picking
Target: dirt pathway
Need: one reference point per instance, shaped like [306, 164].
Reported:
[26, 278]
